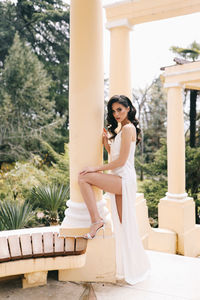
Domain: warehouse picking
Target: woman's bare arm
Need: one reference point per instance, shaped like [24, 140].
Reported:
[106, 145]
[126, 138]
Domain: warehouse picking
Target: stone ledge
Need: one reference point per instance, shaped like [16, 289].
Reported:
[41, 264]
[164, 240]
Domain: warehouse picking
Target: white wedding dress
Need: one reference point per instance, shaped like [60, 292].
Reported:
[132, 261]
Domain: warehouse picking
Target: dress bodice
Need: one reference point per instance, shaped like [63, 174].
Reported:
[128, 169]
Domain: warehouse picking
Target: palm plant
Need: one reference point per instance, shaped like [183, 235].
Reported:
[15, 215]
[50, 199]
[191, 52]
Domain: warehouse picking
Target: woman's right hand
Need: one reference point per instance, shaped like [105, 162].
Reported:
[104, 136]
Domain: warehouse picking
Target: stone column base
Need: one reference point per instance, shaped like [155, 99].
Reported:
[77, 220]
[100, 263]
[178, 215]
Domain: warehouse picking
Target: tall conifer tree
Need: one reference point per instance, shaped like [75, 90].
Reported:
[27, 114]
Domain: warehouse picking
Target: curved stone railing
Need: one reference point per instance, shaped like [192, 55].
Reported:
[35, 251]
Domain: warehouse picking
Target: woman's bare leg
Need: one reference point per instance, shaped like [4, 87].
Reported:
[119, 206]
[89, 198]
[107, 182]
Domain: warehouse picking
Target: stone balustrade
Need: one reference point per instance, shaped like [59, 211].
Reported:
[34, 251]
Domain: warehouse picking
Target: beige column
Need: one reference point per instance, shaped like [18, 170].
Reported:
[176, 211]
[175, 142]
[86, 106]
[120, 58]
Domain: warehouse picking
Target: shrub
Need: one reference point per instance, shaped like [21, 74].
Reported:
[15, 215]
[51, 199]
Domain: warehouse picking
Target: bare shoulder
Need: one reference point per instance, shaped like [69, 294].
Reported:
[129, 129]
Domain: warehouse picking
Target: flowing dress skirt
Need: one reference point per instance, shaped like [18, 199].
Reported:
[132, 261]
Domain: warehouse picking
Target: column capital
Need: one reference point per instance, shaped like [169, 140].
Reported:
[173, 84]
[116, 3]
[119, 23]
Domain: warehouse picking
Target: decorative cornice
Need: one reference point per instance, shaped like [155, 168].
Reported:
[182, 72]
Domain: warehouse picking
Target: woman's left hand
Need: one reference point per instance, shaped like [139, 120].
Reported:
[89, 170]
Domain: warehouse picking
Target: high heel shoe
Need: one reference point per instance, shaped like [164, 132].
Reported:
[88, 235]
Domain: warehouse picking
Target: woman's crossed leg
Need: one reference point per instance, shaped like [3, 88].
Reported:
[107, 182]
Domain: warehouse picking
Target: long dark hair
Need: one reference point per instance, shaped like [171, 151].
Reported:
[112, 123]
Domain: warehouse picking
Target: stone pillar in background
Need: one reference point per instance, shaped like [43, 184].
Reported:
[175, 143]
[176, 211]
[120, 58]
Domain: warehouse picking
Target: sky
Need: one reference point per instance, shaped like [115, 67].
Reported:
[150, 43]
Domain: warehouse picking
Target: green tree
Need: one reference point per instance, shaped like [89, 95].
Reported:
[45, 26]
[193, 177]
[191, 52]
[17, 179]
[27, 113]
[59, 172]
[152, 114]
[154, 186]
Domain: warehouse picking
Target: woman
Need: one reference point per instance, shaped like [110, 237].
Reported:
[120, 184]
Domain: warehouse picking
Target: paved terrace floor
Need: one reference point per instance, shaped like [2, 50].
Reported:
[173, 277]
